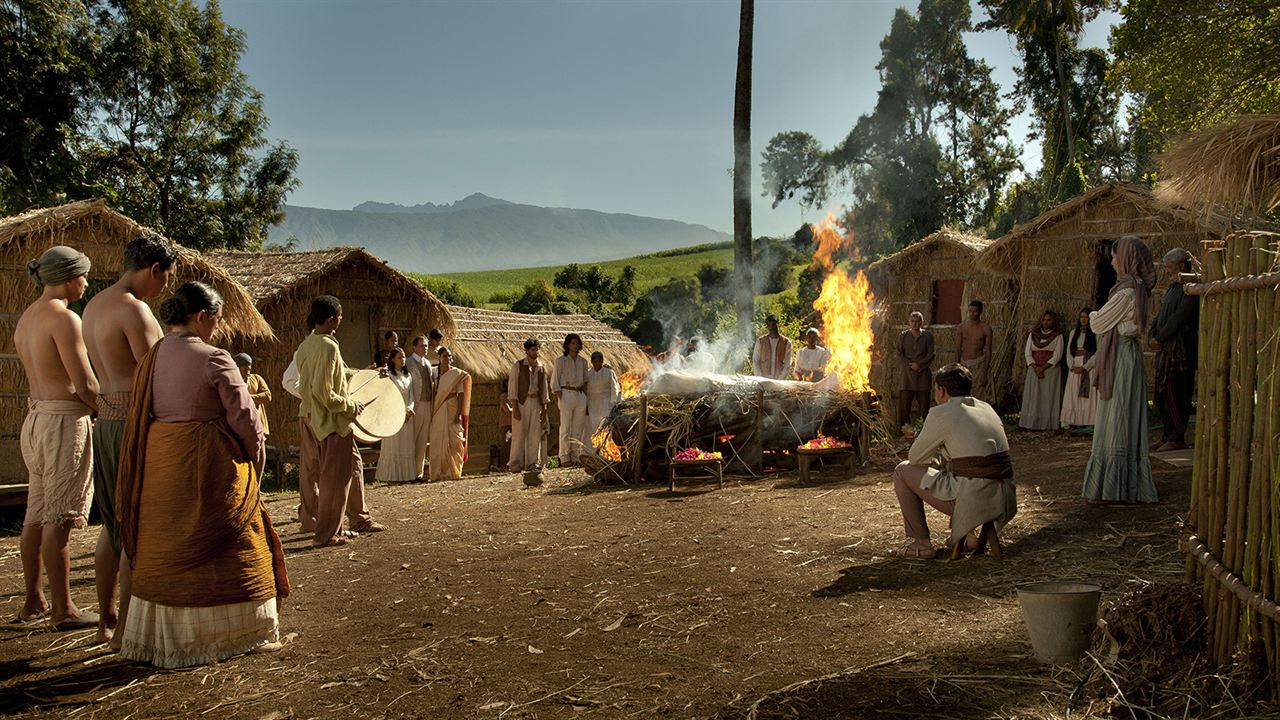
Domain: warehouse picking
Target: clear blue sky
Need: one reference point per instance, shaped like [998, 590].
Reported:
[612, 105]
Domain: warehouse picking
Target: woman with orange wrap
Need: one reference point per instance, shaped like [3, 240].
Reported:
[208, 569]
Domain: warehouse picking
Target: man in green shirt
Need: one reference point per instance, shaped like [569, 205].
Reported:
[329, 411]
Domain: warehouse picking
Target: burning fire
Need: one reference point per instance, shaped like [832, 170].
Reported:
[630, 384]
[845, 304]
[605, 447]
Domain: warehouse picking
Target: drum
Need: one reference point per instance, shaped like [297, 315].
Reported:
[384, 407]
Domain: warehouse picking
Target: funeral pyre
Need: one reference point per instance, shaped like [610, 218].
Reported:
[755, 423]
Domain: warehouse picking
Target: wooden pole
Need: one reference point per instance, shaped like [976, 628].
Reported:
[643, 429]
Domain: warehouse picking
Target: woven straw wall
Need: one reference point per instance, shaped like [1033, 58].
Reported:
[1060, 265]
[907, 286]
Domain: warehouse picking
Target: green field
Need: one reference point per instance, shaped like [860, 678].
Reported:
[651, 270]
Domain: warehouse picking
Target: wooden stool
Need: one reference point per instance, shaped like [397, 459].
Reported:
[805, 458]
[988, 542]
[701, 468]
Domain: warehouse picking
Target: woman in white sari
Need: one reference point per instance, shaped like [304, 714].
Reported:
[449, 415]
[395, 458]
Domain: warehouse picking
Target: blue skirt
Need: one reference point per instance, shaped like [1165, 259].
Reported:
[1119, 468]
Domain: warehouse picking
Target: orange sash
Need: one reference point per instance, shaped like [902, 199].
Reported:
[191, 516]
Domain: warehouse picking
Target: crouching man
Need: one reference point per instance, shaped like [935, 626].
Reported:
[960, 465]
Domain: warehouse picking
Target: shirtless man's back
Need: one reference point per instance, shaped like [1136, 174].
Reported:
[55, 441]
[119, 329]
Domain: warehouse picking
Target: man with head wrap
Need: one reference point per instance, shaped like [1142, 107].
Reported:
[56, 446]
[1119, 469]
[1174, 337]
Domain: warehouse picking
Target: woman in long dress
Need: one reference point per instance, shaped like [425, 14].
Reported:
[1080, 401]
[450, 414]
[208, 569]
[1119, 469]
[1042, 391]
[396, 457]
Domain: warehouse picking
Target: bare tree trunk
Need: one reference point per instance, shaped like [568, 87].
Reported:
[1064, 95]
[744, 295]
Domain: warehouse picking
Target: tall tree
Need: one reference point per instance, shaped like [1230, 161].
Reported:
[1047, 33]
[142, 102]
[46, 54]
[742, 175]
[1194, 64]
[181, 128]
[935, 150]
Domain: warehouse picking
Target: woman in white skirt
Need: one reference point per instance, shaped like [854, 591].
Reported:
[396, 458]
[1080, 401]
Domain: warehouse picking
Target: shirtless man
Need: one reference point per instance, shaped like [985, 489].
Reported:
[975, 348]
[119, 328]
[56, 444]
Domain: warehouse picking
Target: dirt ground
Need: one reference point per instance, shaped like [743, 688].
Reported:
[486, 599]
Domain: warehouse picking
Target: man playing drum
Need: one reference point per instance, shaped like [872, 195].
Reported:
[329, 412]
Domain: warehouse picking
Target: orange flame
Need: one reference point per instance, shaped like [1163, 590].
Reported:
[845, 304]
[828, 240]
[605, 447]
[629, 384]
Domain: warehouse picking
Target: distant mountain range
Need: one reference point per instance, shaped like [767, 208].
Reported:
[485, 233]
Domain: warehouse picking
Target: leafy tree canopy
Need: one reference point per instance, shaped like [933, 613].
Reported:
[141, 102]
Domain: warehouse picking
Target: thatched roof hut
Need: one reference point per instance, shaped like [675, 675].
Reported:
[487, 342]
[375, 298]
[1062, 258]
[101, 233]
[938, 277]
[1235, 165]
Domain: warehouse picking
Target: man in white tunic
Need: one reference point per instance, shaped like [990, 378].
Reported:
[424, 376]
[603, 392]
[959, 464]
[569, 384]
[772, 355]
[699, 360]
[812, 359]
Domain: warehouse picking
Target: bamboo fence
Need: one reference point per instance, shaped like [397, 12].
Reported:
[1234, 518]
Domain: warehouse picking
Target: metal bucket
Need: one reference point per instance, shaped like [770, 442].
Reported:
[1060, 615]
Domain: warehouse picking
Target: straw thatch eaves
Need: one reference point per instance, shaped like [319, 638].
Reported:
[937, 276]
[1235, 165]
[34, 231]
[487, 342]
[902, 260]
[274, 278]
[1130, 204]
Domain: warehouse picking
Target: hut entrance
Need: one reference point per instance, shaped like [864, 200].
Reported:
[1105, 273]
[948, 302]
[355, 335]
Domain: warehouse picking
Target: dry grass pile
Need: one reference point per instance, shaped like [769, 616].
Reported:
[1151, 662]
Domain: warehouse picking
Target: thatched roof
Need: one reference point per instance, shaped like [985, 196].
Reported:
[35, 230]
[945, 237]
[487, 342]
[273, 277]
[1236, 164]
[1004, 256]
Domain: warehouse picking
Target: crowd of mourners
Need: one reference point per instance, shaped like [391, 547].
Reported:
[165, 434]
[1094, 377]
